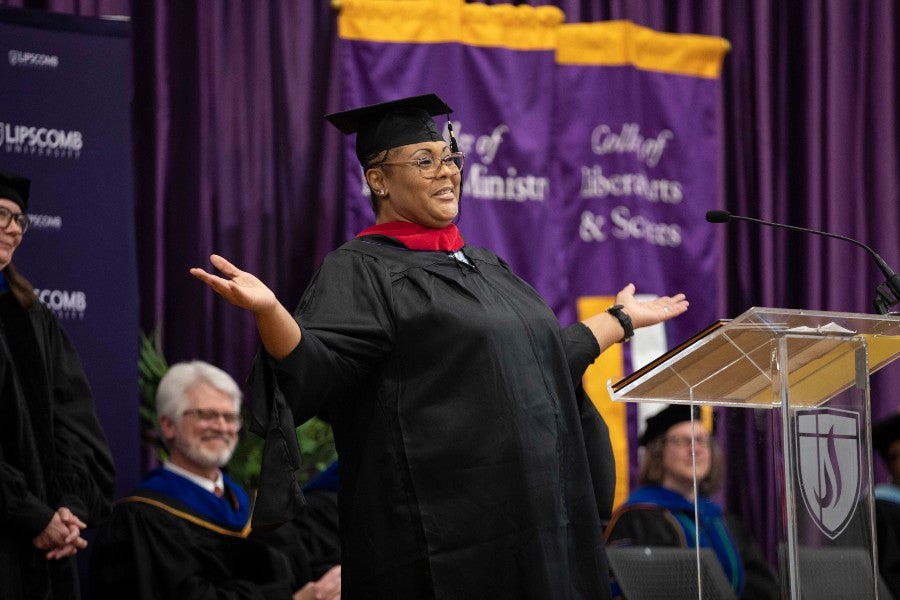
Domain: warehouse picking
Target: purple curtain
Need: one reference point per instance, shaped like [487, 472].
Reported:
[233, 156]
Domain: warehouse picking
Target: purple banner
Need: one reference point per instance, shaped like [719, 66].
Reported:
[65, 124]
[635, 173]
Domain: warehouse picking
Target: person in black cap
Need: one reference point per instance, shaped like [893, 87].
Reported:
[56, 471]
[661, 511]
[472, 465]
[886, 441]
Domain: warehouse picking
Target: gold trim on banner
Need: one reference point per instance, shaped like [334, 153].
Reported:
[515, 27]
[441, 21]
[624, 43]
[419, 21]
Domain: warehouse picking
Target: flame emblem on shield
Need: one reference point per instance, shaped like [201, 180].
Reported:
[828, 465]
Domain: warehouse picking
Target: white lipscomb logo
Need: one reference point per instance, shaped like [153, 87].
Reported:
[65, 304]
[829, 466]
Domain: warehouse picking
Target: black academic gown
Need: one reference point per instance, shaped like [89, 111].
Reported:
[311, 541]
[472, 464]
[53, 451]
[156, 547]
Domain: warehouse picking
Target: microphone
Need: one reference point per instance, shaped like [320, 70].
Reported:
[886, 295]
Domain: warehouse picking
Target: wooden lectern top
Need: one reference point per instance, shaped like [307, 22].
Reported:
[734, 362]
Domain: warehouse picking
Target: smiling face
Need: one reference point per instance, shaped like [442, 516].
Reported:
[201, 445]
[678, 466]
[410, 197]
[11, 235]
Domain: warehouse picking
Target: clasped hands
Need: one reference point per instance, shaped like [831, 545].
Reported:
[62, 535]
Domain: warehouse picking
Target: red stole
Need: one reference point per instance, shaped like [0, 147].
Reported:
[417, 237]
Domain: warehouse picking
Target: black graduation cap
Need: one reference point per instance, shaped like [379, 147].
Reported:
[391, 124]
[885, 433]
[15, 188]
[659, 424]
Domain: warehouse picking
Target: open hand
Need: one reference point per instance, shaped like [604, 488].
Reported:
[650, 312]
[240, 288]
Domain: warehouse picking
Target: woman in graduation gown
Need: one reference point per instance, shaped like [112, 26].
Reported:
[661, 511]
[472, 465]
[56, 471]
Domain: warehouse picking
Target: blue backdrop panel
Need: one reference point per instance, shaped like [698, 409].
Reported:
[65, 123]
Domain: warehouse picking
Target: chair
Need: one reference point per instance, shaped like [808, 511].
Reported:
[656, 572]
[836, 572]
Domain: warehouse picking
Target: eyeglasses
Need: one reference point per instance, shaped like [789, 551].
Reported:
[684, 441]
[430, 166]
[7, 217]
[208, 415]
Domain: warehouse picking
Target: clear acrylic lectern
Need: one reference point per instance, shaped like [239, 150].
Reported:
[812, 369]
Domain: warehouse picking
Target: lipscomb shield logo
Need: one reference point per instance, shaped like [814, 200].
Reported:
[828, 465]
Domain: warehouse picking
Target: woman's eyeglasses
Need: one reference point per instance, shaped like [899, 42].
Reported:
[684, 441]
[208, 415]
[7, 217]
[430, 166]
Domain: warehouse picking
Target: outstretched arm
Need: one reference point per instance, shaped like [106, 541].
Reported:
[607, 329]
[279, 332]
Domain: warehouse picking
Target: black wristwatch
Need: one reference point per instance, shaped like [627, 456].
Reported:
[624, 321]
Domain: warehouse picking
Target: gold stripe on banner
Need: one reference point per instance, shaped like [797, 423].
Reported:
[706, 417]
[441, 21]
[519, 27]
[619, 43]
[417, 21]
[610, 365]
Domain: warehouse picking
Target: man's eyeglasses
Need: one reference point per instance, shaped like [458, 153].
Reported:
[208, 415]
[430, 166]
[7, 217]
[684, 441]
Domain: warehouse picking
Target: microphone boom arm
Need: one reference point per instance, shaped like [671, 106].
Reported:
[887, 293]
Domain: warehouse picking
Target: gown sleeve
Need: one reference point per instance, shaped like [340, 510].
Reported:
[581, 351]
[347, 328]
[20, 510]
[312, 541]
[85, 475]
[601, 461]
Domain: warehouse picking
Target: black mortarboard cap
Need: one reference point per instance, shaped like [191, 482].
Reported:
[885, 433]
[15, 188]
[659, 424]
[391, 124]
